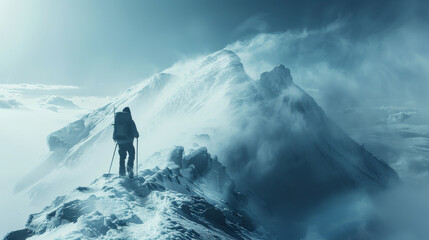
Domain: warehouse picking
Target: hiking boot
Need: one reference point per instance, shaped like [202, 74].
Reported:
[122, 173]
[130, 171]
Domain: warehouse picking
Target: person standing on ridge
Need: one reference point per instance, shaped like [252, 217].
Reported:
[124, 132]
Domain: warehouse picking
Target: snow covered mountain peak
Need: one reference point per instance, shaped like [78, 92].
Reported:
[273, 138]
[227, 57]
[272, 83]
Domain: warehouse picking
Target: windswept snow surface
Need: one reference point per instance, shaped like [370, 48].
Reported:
[273, 138]
[192, 198]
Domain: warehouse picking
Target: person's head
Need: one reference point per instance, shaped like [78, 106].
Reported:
[126, 109]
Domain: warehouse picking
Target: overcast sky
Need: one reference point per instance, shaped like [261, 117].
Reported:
[106, 46]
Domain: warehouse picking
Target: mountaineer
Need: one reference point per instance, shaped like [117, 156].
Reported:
[124, 132]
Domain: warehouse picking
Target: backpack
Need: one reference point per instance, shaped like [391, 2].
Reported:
[122, 126]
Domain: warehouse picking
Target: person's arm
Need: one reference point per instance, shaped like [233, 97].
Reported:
[135, 132]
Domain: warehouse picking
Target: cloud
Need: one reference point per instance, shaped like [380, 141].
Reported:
[34, 96]
[9, 104]
[398, 213]
[405, 146]
[55, 103]
[398, 114]
[26, 86]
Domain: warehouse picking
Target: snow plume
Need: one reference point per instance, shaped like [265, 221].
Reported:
[347, 72]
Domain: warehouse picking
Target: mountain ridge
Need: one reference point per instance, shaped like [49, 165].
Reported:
[175, 200]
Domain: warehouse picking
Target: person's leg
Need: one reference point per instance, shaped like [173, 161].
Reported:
[131, 155]
[122, 155]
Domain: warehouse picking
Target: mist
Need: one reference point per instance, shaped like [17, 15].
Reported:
[26, 126]
[370, 86]
[374, 88]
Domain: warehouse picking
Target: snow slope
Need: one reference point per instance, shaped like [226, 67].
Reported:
[192, 198]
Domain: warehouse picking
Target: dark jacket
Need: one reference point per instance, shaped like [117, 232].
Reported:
[134, 134]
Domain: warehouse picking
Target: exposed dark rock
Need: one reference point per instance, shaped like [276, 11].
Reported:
[176, 155]
[215, 216]
[19, 235]
[82, 189]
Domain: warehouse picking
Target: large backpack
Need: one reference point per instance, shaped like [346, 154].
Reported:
[122, 126]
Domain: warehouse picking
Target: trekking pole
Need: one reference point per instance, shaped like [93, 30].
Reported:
[137, 158]
[114, 151]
